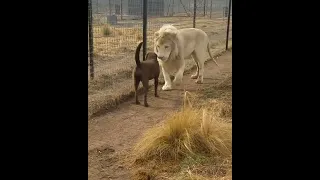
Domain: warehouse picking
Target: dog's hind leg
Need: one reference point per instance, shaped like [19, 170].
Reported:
[195, 76]
[136, 85]
[156, 82]
[145, 83]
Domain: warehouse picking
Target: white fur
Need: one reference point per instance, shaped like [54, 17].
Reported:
[172, 46]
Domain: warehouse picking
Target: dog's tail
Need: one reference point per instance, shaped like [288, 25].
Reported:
[208, 48]
[137, 57]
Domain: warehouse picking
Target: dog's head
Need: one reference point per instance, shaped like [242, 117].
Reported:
[151, 56]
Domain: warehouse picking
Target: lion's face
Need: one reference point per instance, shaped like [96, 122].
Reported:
[165, 43]
[163, 49]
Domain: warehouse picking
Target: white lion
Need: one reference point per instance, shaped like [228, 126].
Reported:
[172, 46]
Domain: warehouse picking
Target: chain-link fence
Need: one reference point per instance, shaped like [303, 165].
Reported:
[117, 28]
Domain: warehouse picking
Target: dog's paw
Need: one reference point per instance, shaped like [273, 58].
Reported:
[199, 81]
[194, 76]
[166, 87]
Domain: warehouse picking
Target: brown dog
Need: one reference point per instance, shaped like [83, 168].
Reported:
[145, 71]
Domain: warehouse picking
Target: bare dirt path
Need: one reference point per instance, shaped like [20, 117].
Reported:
[111, 135]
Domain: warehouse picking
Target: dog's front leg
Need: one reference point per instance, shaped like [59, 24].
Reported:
[179, 75]
[156, 82]
[167, 81]
[145, 83]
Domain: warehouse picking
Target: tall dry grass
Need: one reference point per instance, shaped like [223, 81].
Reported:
[195, 143]
[189, 132]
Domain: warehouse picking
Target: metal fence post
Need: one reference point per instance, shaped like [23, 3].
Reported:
[194, 12]
[121, 10]
[97, 6]
[228, 24]
[204, 7]
[90, 38]
[110, 7]
[210, 9]
[172, 8]
[145, 8]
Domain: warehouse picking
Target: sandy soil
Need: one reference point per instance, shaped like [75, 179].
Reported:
[111, 135]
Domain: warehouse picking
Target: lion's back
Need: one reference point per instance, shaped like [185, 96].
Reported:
[192, 37]
[193, 33]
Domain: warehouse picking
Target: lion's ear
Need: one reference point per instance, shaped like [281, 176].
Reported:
[171, 34]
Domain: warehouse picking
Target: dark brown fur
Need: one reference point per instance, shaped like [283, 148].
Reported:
[145, 71]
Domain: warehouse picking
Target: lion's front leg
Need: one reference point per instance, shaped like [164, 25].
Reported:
[179, 75]
[195, 76]
[167, 81]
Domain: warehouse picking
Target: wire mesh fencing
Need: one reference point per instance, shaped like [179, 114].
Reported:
[117, 29]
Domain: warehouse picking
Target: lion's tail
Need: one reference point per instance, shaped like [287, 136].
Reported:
[208, 48]
[137, 57]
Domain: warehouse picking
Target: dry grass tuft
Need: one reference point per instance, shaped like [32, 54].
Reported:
[139, 37]
[193, 144]
[119, 32]
[106, 30]
[189, 132]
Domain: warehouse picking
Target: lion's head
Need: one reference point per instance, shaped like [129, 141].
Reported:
[165, 43]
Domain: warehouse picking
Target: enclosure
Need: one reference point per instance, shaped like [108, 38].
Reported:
[117, 41]
[117, 28]
[116, 123]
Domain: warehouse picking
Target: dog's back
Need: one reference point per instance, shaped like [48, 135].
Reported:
[150, 66]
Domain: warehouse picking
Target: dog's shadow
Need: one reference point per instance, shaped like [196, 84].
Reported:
[151, 106]
[158, 107]
[161, 82]
[208, 81]
[164, 98]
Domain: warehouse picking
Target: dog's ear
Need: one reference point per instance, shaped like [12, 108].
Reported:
[151, 54]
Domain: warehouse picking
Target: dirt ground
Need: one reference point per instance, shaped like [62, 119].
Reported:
[111, 136]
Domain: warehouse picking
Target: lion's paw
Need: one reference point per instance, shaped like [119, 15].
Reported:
[194, 76]
[166, 87]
